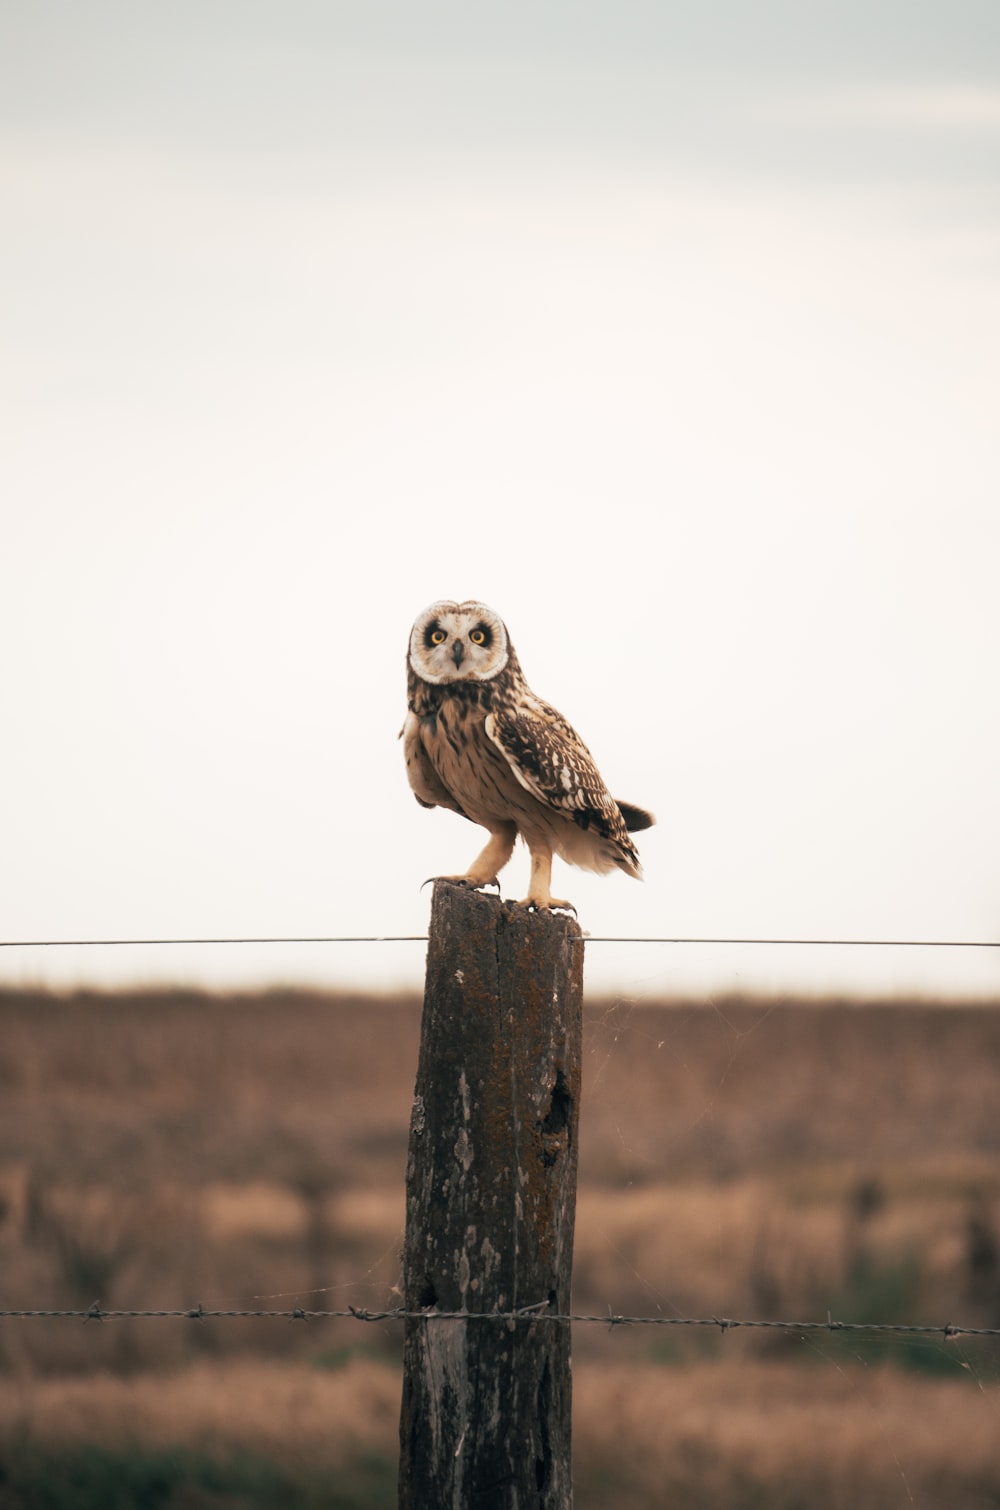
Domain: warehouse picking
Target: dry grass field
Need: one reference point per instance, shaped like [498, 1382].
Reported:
[766, 1159]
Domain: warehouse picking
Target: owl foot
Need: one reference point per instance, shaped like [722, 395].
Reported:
[546, 904]
[540, 896]
[476, 882]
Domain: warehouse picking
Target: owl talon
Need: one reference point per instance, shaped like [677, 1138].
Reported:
[551, 904]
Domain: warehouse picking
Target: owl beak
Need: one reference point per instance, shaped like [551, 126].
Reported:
[458, 653]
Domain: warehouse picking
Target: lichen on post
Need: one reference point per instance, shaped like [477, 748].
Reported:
[490, 1204]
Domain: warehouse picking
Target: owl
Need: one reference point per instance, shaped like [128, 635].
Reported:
[477, 740]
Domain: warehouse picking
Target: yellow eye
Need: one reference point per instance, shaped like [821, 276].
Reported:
[477, 637]
[438, 637]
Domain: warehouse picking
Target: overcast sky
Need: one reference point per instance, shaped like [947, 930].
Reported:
[670, 331]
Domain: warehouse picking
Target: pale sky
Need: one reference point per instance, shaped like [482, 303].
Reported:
[670, 331]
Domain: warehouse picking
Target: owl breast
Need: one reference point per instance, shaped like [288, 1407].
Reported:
[469, 764]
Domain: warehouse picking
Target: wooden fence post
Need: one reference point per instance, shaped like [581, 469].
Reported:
[490, 1204]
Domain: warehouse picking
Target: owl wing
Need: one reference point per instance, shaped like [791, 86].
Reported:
[551, 761]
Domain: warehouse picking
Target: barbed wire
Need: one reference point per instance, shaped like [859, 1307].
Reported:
[421, 938]
[538, 1312]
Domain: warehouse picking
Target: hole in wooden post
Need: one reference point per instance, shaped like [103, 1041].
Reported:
[555, 1127]
[559, 1109]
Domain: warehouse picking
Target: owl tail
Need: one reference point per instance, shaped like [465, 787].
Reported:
[636, 818]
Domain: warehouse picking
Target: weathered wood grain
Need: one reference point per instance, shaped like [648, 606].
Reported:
[491, 1190]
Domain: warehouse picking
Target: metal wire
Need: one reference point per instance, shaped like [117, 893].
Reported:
[389, 938]
[421, 938]
[538, 1312]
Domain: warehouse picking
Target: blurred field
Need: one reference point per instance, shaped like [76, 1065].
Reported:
[738, 1158]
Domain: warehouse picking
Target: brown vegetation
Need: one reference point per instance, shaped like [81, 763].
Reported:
[740, 1158]
[705, 1436]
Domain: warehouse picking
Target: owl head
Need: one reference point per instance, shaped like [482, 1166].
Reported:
[458, 642]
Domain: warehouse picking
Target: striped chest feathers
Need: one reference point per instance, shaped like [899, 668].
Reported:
[467, 761]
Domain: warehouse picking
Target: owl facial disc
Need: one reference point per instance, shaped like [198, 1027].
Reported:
[458, 642]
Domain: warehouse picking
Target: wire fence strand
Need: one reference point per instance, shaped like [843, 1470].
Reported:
[421, 938]
[538, 1312]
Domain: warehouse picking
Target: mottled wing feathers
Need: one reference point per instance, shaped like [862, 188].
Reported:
[551, 762]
